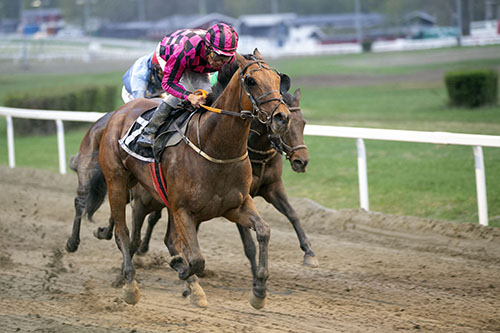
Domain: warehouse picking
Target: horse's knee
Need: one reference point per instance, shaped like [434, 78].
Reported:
[79, 205]
[263, 231]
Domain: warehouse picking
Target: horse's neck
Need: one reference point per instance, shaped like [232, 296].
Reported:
[222, 134]
[258, 138]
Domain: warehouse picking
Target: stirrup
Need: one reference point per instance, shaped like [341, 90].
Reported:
[146, 140]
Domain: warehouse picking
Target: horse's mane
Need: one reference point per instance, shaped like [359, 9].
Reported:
[224, 76]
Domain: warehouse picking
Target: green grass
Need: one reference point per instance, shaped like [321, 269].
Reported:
[433, 181]
[383, 63]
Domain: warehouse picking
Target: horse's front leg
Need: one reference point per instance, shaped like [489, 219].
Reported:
[139, 213]
[276, 195]
[153, 218]
[248, 247]
[187, 260]
[247, 216]
[118, 194]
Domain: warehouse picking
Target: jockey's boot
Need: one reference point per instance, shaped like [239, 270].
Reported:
[161, 113]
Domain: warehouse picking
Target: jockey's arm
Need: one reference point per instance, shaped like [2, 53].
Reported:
[139, 77]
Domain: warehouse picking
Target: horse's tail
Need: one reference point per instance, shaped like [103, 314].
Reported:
[73, 162]
[96, 192]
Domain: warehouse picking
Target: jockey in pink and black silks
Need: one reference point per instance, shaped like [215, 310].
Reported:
[187, 58]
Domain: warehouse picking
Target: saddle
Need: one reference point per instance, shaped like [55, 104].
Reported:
[169, 134]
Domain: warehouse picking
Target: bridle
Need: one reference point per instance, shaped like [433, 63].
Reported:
[277, 142]
[245, 75]
[257, 112]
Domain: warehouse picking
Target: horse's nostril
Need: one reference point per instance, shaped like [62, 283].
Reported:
[299, 164]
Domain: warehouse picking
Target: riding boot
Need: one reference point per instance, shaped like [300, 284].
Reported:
[161, 113]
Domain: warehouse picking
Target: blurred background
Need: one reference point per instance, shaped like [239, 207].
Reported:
[279, 27]
[359, 63]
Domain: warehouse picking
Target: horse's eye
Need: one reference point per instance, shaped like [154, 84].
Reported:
[251, 81]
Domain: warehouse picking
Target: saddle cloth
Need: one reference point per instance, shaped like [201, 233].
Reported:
[169, 134]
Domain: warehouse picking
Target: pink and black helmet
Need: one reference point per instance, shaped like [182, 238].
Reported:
[222, 38]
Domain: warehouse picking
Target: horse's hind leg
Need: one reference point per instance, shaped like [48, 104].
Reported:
[153, 218]
[248, 217]
[74, 240]
[276, 195]
[118, 195]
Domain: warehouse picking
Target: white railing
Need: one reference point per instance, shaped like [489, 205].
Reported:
[476, 141]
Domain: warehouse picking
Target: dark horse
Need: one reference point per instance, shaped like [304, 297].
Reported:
[200, 187]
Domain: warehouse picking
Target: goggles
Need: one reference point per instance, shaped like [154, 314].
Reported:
[219, 57]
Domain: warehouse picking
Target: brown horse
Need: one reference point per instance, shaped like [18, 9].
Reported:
[200, 187]
[266, 182]
[267, 167]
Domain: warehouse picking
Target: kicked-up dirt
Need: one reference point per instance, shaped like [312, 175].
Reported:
[377, 273]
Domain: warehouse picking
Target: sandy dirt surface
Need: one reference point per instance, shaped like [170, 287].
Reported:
[378, 272]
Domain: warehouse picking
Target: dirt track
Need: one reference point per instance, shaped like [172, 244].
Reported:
[377, 272]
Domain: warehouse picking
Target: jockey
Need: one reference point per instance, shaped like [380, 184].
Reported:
[187, 57]
[143, 79]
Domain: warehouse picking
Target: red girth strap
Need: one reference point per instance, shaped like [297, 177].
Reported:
[159, 182]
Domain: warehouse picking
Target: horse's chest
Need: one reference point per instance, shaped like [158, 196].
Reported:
[214, 191]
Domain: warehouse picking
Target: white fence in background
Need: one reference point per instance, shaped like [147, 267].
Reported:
[360, 134]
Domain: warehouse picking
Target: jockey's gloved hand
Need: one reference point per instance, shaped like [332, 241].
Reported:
[196, 100]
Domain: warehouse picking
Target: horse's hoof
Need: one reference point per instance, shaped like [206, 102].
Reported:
[100, 233]
[197, 296]
[311, 261]
[71, 247]
[256, 302]
[186, 291]
[131, 293]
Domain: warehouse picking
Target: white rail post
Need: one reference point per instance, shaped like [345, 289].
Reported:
[482, 203]
[60, 145]
[10, 142]
[362, 175]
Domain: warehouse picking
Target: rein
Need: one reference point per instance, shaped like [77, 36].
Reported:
[243, 114]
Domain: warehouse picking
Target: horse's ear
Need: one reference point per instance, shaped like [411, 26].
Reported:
[257, 54]
[240, 60]
[285, 83]
[297, 94]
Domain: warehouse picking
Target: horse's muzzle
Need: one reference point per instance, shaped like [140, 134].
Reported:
[299, 164]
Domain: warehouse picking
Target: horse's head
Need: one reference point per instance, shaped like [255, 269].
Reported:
[292, 142]
[262, 86]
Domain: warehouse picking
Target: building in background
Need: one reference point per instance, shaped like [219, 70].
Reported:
[47, 21]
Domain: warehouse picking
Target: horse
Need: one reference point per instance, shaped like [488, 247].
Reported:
[267, 165]
[200, 186]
